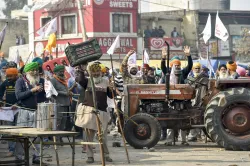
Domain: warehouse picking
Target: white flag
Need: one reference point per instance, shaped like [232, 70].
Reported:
[132, 59]
[115, 45]
[207, 32]
[220, 30]
[49, 28]
[17, 58]
[145, 57]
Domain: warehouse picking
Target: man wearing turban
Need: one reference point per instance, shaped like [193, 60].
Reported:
[177, 76]
[102, 92]
[63, 98]
[7, 89]
[130, 71]
[27, 89]
[232, 67]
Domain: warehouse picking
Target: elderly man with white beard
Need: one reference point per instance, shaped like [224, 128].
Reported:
[27, 89]
[102, 92]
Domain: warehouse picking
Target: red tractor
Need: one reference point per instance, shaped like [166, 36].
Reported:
[221, 109]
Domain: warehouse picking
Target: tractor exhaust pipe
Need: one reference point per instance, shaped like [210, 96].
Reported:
[167, 76]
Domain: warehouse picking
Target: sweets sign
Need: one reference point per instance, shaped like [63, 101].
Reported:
[118, 3]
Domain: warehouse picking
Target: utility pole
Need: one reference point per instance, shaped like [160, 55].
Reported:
[80, 12]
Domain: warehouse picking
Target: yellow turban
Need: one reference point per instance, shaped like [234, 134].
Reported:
[232, 66]
[196, 65]
[103, 68]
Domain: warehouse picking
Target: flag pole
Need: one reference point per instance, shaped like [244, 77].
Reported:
[217, 50]
[117, 112]
[3, 36]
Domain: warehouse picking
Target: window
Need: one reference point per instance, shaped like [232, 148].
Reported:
[68, 24]
[45, 20]
[121, 22]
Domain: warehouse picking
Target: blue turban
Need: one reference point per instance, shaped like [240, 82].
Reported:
[2, 65]
[38, 60]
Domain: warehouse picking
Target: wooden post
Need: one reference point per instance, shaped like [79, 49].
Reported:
[84, 36]
[98, 121]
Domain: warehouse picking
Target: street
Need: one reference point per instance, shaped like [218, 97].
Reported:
[197, 154]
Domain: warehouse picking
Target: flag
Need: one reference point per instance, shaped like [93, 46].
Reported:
[220, 30]
[145, 57]
[51, 42]
[17, 58]
[132, 59]
[49, 28]
[207, 32]
[114, 46]
[2, 35]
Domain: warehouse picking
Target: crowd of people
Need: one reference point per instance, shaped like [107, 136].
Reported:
[23, 89]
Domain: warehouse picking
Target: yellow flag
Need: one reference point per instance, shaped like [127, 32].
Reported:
[51, 42]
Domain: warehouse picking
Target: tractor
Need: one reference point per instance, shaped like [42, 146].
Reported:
[220, 107]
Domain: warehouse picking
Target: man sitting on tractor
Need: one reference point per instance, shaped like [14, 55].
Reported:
[177, 76]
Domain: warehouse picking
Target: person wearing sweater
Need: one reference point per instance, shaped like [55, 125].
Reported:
[62, 100]
[27, 89]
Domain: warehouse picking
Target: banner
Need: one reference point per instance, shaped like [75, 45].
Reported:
[159, 43]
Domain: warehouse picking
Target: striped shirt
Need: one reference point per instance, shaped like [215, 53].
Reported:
[119, 82]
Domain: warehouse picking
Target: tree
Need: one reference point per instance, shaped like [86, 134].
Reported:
[13, 5]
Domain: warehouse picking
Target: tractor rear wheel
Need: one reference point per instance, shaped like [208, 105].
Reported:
[142, 130]
[227, 119]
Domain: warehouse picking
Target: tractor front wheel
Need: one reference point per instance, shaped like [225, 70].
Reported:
[227, 119]
[142, 130]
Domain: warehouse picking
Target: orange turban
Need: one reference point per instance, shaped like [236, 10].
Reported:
[175, 60]
[232, 66]
[11, 71]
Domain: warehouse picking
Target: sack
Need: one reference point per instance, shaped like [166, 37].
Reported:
[86, 119]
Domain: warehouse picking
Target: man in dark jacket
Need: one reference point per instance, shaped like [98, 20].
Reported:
[175, 65]
[62, 100]
[26, 89]
[7, 89]
[102, 92]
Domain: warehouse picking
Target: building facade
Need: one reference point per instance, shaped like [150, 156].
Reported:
[103, 20]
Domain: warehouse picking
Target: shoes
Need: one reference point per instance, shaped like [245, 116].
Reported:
[9, 154]
[185, 143]
[108, 159]
[90, 160]
[193, 139]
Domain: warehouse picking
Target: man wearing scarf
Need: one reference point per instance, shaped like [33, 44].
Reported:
[232, 67]
[130, 72]
[27, 89]
[62, 99]
[102, 92]
[8, 88]
[177, 76]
